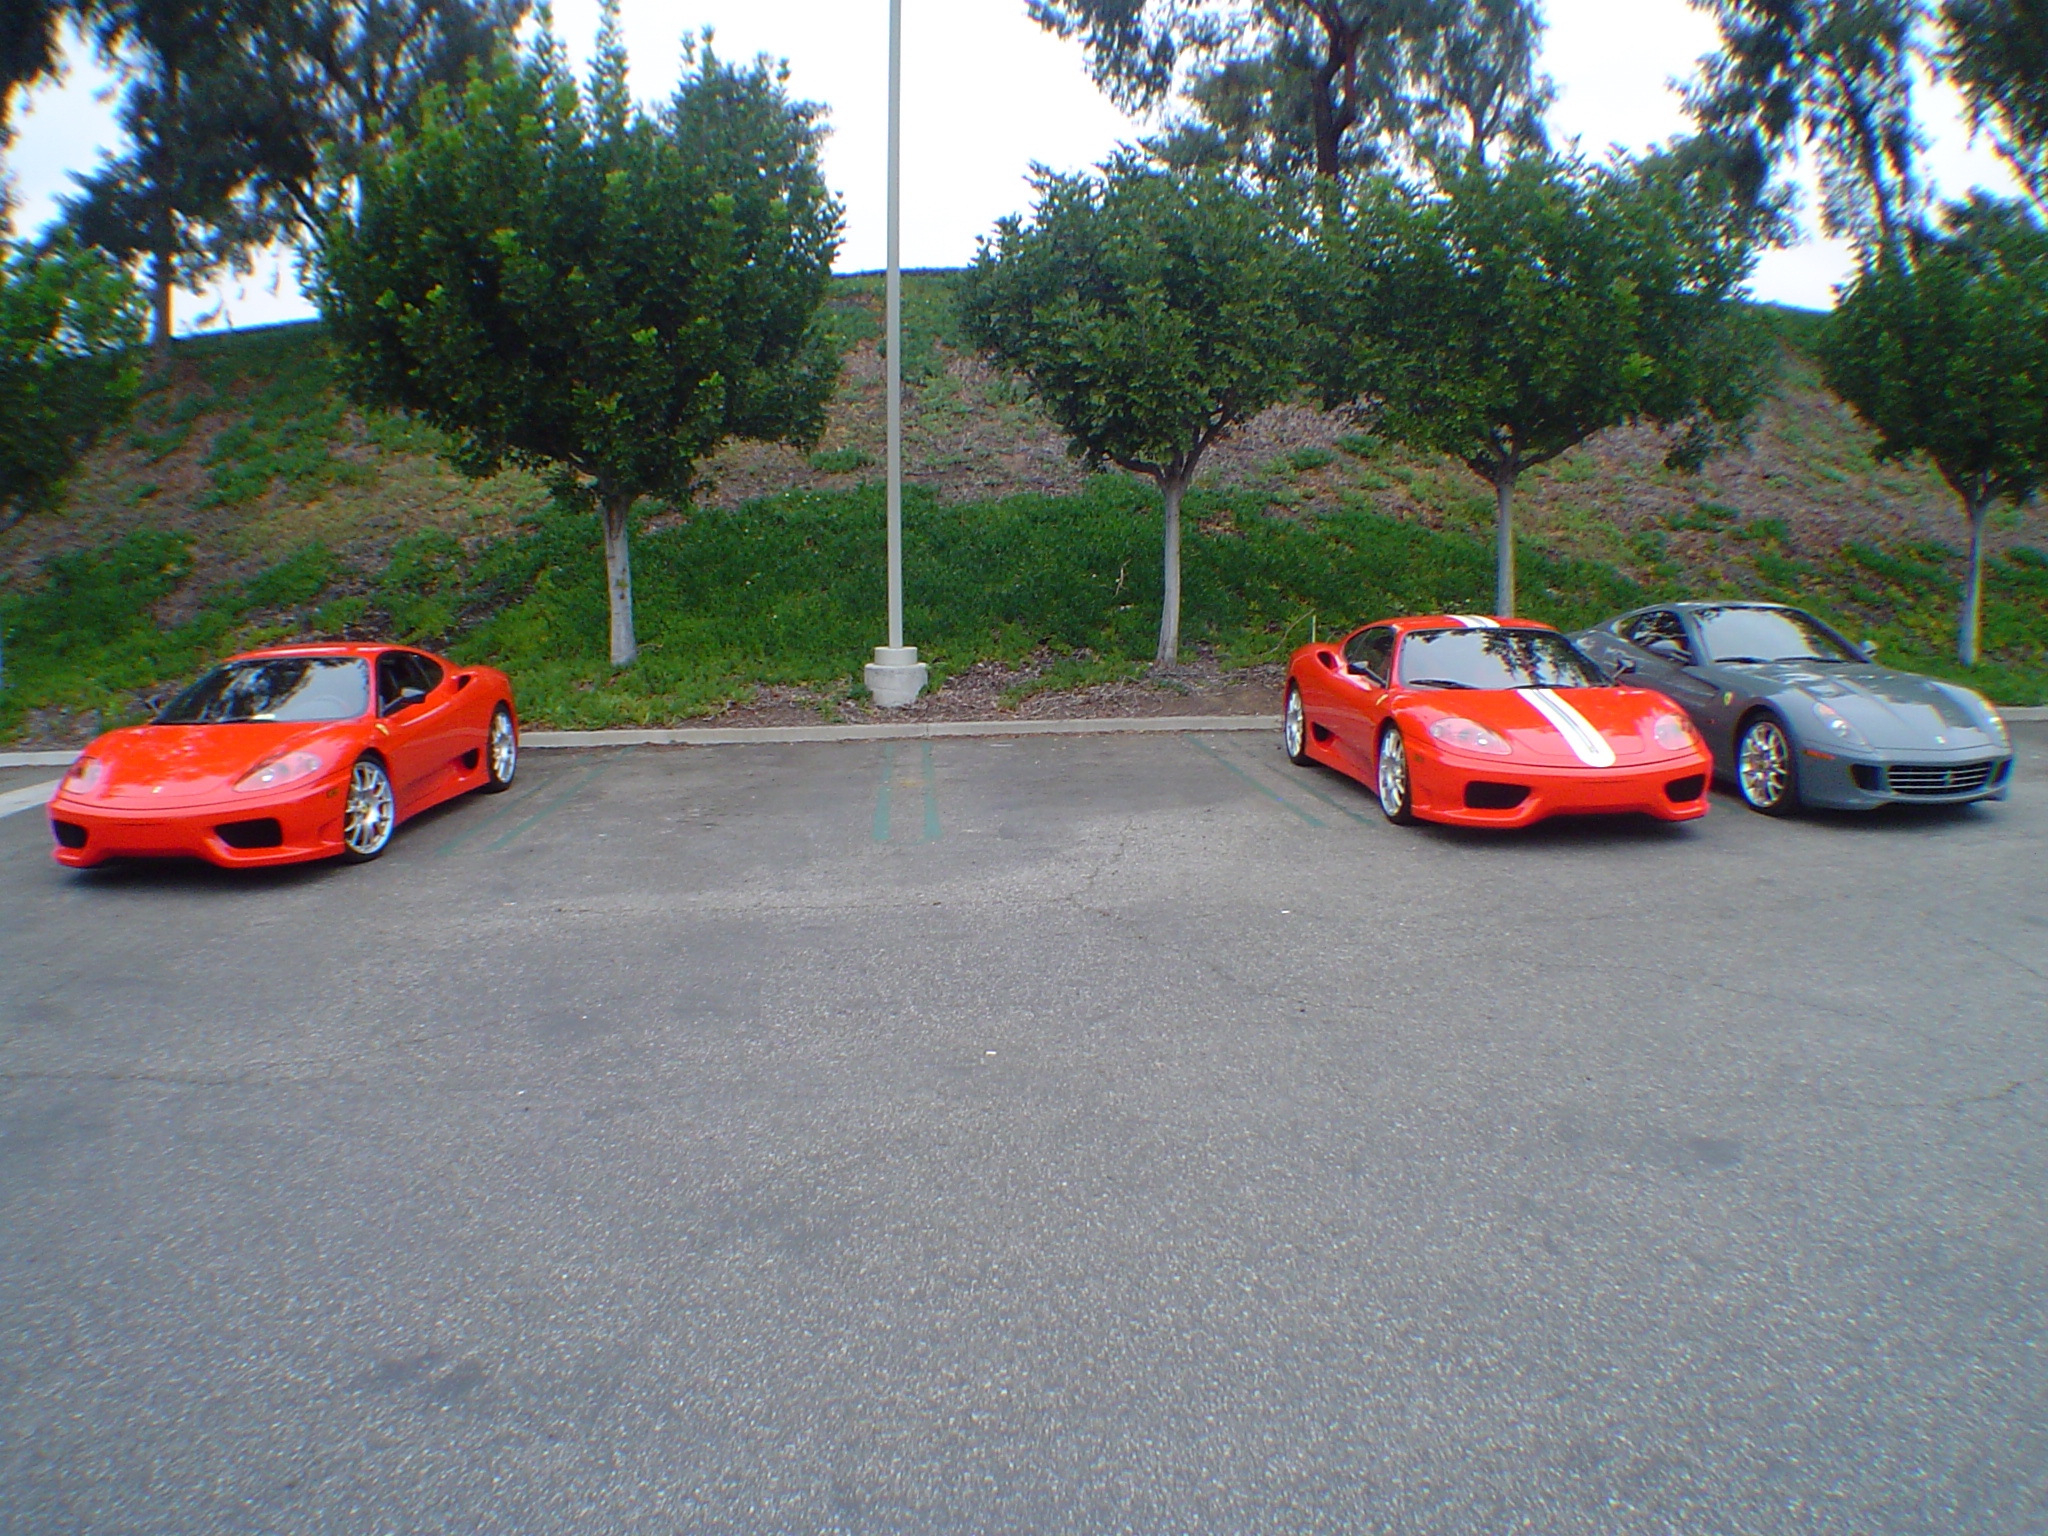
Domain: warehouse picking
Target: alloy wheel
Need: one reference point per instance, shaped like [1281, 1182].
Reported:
[371, 813]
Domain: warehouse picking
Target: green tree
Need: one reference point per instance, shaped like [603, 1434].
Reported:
[1288, 87]
[1946, 354]
[69, 322]
[565, 281]
[177, 197]
[1831, 77]
[1151, 313]
[1516, 310]
[1996, 51]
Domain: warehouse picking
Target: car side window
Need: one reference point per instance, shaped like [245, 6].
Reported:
[1371, 651]
[1660, 632]
[427, 673]
[391, 680]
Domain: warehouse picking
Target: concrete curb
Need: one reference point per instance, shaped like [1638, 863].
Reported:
[758, 735]
[739, 736]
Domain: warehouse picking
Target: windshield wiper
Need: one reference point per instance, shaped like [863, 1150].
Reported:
[1433, 682]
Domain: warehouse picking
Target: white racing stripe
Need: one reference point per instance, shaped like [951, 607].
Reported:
[1474, 621]
[1587, 744]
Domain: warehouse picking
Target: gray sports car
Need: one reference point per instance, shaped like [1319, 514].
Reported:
[1796, 715]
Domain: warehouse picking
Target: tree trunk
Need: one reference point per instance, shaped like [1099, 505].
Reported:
[1169, 606]
[1504, 545]
[160, 309]
[618, 572]
[1971, 631]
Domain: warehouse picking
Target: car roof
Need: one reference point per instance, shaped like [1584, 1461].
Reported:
[363, 649]
[1413, 622]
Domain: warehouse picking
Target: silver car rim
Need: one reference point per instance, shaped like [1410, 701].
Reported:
[504, 748]
[366, 824]
[1766, 764]
[1393, 773]
[1291, 724]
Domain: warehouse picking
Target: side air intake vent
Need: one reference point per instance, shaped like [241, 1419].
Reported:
[1482, 796]
[263, 832]
[69, 833]
[1690, 788]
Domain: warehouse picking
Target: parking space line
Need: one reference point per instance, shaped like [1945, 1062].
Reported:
[927, 781]
[1304, 784]
[1275, 796]
[30, 796]
[552, 805]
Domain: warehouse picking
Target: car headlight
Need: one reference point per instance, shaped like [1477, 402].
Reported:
[86, 775]
[276, 772]
[1468, 736]
[1837, 727]
[1674, 733]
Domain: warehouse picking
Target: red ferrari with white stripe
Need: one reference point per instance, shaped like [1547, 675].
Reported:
[1488, 722]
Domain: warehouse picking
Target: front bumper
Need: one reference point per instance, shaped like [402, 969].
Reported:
[1862, 782]
[235, 832]
[1446, 786]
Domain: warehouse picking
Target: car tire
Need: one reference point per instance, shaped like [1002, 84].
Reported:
[1294, 728]
[501, 752]
[1766, 768]
[1396, 791]
[370, 814]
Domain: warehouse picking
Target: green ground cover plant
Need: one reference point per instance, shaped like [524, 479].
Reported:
[787, 591]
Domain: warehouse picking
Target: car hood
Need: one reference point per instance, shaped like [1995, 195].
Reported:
[176, 765]
[1893, 709]
[1566, 727]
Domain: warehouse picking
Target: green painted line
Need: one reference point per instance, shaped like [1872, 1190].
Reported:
[493, 819]
[1331, 800]
[882, 795]
[931, 798]
[553, 805]
[1273, 795]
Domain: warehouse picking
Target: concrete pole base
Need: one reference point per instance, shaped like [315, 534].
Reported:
[896, 677]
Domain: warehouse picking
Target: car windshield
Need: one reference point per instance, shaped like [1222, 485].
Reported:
[1741, 634]
[292, 688]
[1493, 658]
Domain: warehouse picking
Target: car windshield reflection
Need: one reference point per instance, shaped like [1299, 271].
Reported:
[1493, 658]
[282, 688]
[1738, 635]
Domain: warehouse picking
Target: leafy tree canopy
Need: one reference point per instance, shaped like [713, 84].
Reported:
[69, 322]
[1997, 53]
[1946, 353]
[1151, 312]
[1285, 87]
[565, 281]
[1516, 310]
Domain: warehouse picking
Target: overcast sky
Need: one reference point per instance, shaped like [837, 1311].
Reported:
[988, 93]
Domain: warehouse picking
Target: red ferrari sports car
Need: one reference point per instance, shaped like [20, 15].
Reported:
[1488, 723]
[297, 752]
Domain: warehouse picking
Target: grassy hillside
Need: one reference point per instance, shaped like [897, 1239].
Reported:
[247, 502]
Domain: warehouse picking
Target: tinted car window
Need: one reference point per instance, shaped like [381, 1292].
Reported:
[277, 688]
[400, 670]
[1372, 650]
[1658, 630]
[1494, 658]
[1768, 634]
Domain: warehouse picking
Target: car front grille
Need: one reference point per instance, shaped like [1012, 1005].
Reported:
[69, 833]
[1922, 779]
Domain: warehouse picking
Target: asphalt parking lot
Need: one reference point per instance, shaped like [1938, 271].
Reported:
[1042, 1135]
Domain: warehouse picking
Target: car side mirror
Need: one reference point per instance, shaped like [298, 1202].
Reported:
[1618, 665]
[1668, 650]
[1870, 649]
[407, 697]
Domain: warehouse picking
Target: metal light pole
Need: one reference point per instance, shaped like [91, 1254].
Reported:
[895, 677]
